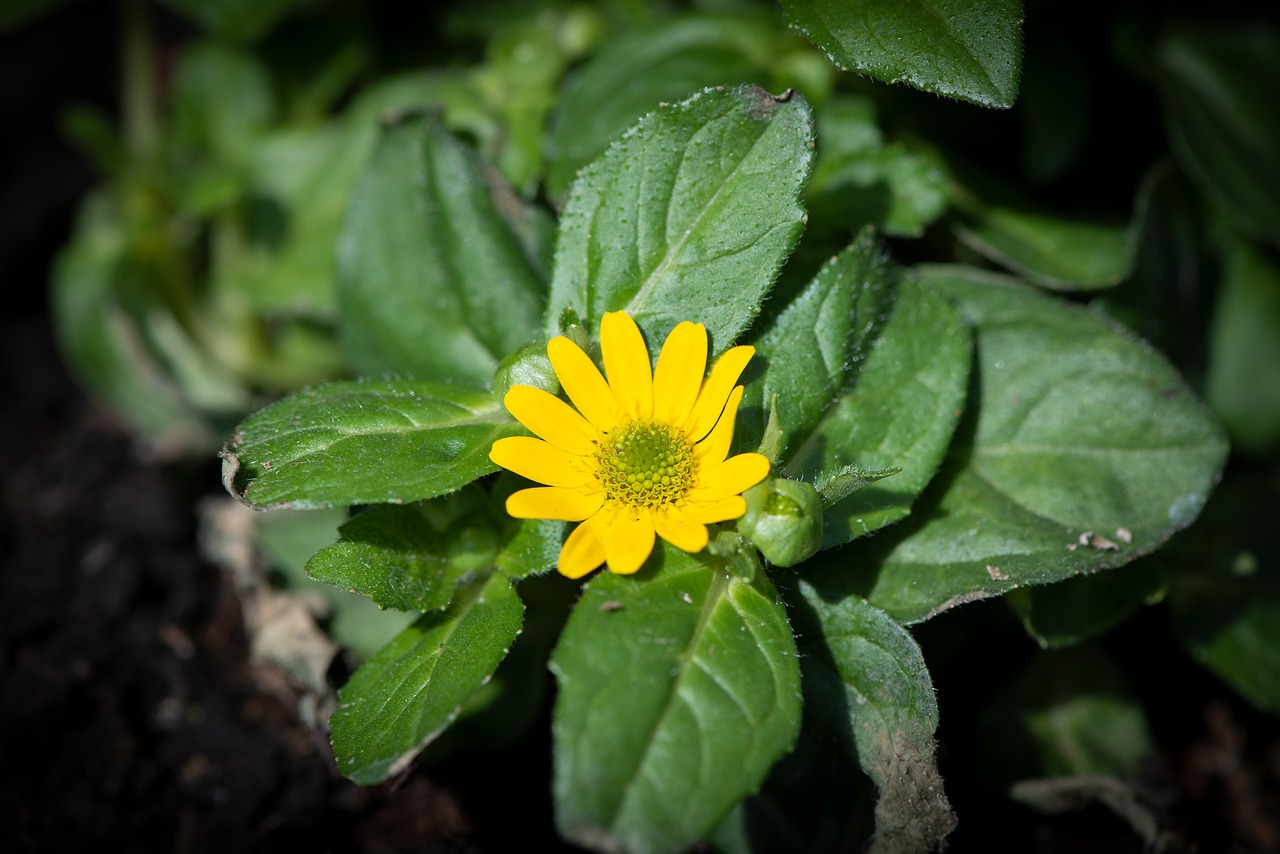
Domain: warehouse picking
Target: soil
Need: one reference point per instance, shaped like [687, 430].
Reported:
[132, 717]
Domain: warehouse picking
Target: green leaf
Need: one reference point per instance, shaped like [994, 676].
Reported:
[241, 20]
[866, 684]
[364, 442]
[688, 216]
[1083, 450]
[1243, 382]
[1082, 608]
[431, 281]
[899, 412]
[858, 179]
[679, 689]
[411, 557]
[1054, 251]
[222, 103]
[1071, 712]
[407, 694]
[1218, 85]
[644, 66]
[967, 50]
[1224, 589]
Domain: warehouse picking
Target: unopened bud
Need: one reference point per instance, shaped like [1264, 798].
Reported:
[783, 520]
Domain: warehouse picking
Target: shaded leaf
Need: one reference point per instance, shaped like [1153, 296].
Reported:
[688, 215]
[1083, 450]
[966, 50]
[679, 689]
[407, 694]
[364, 442]
[867, 685]
[431, 281]
[1082, 608]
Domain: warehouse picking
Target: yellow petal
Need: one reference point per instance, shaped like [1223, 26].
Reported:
[731, 477]
[628, 539]
[715, 391]
[713, 449]
[626, 361]
[678, 376]
[582, 551]
[679, 530]
[554, 502]
[552, 419]
[584, 385]
[720, 510]
[542, 461]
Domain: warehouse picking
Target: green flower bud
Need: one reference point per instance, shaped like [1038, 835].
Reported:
[527, 366]
[783, 520]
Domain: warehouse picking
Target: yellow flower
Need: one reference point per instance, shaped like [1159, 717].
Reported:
[644, 453]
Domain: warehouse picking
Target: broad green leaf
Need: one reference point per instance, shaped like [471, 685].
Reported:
[1224, 589]
[807, 355]
[859, 179]
[1218, 85]
[867, 686]
[288, 538]
[407, 557]
[1071, 712]
[1082, 608]
[1048, 249]
[900, 410]
[1083, 450]
[431, 281]
[1243, 382]
[643, 66]
[406, 695]
[222, 103]
[364, 442]
[968, 50]
[687, 216]
[679, 689]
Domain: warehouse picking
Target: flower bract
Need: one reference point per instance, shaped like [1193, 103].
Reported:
[645, 453]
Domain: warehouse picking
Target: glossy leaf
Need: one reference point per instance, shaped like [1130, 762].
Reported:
[1218, 85]
[1243, 382]
[867, 686]
[406, 695]
[431, 281]
[689, 214]
[364, 442]
[1083, 450]
[966, 50]
[402, 558]
[898, 410]
[679, 689]
[633, 73]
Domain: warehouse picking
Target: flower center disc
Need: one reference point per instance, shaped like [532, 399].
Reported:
[646, 464]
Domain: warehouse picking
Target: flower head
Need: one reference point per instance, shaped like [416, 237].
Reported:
[644, 453]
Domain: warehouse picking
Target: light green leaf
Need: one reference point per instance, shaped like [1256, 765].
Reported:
[866, 685]
[407, 694]
[968, 50]
[899, 412]
[1218, 85]
[1082, 451]
[1082, 608]
[411, 557]
[679, 689]
[643, 66]
[1243, 382]
[1057, 252]
[222, 102]
[431, 281]
[364, 442]
[687, 216]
